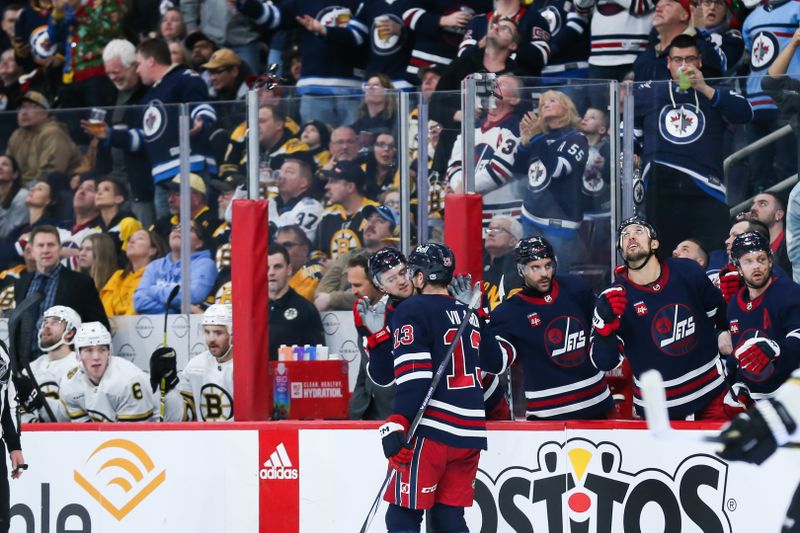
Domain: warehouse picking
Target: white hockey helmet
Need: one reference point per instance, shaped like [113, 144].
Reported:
[71, 318]
[219, 315]
[92, 334]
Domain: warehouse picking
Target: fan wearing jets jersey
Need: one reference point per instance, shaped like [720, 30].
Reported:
[56, 333]
[104, 388]
[764, 318]
[546, 326]
[204, 390]
[438, 471]
[663, 314]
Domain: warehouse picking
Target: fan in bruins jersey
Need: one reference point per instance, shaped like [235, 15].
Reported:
[204, 390]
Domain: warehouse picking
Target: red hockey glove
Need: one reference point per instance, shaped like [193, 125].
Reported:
[609, 307]
[393, 439]
[757, 353]
[729, 282]
[378, 337]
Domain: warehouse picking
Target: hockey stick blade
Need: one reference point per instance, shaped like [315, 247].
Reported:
[657, 414]
[474, 303]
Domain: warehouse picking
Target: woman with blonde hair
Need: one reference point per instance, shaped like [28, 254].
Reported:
[117, 294]
[553, 154]
[98, 258]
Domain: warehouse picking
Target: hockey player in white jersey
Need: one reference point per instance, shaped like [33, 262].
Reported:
[56, 334]
[204, 390]
[104, 388]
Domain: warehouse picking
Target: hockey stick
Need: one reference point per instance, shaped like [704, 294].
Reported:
[20, 330]
[166, 351]
[657, 414]
[437, 377]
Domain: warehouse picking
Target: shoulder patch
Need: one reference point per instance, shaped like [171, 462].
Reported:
[72, 372]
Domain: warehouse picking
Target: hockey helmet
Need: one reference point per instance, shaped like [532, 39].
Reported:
[92, 334]
[383, 260]
[635, 220]
[435, 260]
[749, 241]
[71, 318]
[532, 249]
[219, 315]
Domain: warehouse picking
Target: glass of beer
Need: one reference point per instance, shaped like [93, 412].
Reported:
[97, 121]
[383, 30]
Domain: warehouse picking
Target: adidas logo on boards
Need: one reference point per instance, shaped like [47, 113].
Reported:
[278, 466]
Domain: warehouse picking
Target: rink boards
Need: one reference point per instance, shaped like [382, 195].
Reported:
[322, 476]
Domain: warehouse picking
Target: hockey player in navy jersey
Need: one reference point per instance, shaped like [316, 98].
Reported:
[547, 326]
[764, 320]
[663, 314]
[438, 471]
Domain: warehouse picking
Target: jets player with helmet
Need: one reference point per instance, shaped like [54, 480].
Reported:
[438, 471]
[104, 388]
[547, 327]
[56, 335]
[204, 389]
[663, 314]
[764, 318]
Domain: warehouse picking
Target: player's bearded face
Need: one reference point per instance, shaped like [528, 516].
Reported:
[755, 268]
[51, 331]
[538, 274]
[636, 243]
[218, 340]
[95, 362]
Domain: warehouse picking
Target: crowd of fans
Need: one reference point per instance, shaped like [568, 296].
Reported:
[91, 151]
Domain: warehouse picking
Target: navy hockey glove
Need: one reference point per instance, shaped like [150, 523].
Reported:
[460, 288]
[27, 395]
[393, 438]
[164, 369]
[729, 282]
[756, 353]
[755, 435]
[609, 307]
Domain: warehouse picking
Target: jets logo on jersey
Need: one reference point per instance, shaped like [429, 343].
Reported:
[765, 49]
[638, 191]
[553, 18]
[565, 341]
[216, 404]
[343, 241]
[767, 371]
[155, 120]
[681, 125]
[334, 16]
[41, 48]
[383, 42]
[535, 320]
[673, 330]
[537, 176]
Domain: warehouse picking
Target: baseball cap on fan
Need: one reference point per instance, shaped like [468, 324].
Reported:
[384, 212]
[349, 171]
[196, 183]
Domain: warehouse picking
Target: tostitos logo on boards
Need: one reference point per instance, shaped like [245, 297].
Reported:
[581, 486]
[119, 474]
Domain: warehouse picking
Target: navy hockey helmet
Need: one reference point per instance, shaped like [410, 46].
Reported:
[749, 241]
[635, 220]
[435, 260]
[532, 249]
[383, 260]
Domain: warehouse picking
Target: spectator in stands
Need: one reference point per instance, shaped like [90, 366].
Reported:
[156, 124]
[343, 146]
[119, 61]
[9, 93]
[294, 204]
[673, 18]
[227, 75]
[692, 249]
[767, 208]
[381, 166]
[500, 275]
[98, 258]
[41, 145]
[179, 54]
[379, 227]
[171, 26]
[317, 136]
[161, 275]
[207, 221]
[327, 71]
[58, 285]
[10, 15]
[377, 112]
[200, 48]
[109, 197]
[226, 28]
[715, 25]
[552, 205]
[117, 294]
[86, 218]
[340, 229]
[13, 211]
[683, 164]
[292, 318]
[306, 272]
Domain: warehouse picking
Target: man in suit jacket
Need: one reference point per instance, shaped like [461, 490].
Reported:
[57, 284]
